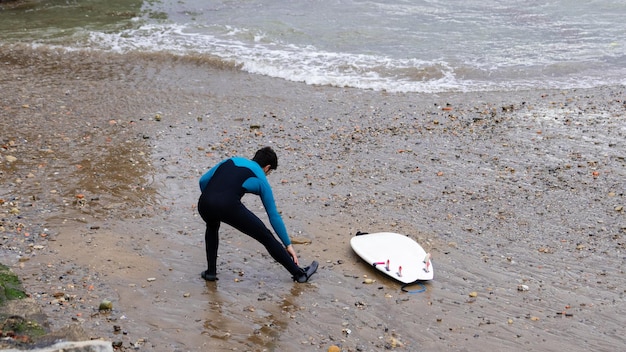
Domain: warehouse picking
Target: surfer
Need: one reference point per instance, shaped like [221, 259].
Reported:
[222, 188]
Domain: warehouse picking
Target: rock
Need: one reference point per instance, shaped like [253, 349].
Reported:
[10, 158]
[84, 346]
[73, 332]
[56, 341]
[394, 342]
[301, 240]
[105, 305]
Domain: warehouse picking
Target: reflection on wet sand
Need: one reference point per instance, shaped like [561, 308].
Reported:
[262, 323]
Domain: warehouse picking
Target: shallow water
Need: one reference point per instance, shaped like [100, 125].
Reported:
[501, 189]
[394, 46]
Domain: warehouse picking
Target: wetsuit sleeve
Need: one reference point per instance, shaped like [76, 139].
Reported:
[259, 185]
[275, 219]
[204, 180]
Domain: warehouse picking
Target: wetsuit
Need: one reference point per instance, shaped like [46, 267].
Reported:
[222, 188]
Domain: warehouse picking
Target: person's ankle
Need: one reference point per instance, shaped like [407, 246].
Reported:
[302, 278]
[306, 273]
[209, 277]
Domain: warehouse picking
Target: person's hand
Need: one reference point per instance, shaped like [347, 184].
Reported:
[292, 253]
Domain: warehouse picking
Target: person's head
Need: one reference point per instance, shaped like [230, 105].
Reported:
[266, 158]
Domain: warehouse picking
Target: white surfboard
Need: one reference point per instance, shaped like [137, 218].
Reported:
[393, 254]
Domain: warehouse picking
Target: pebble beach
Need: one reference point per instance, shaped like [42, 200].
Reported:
[519, 197]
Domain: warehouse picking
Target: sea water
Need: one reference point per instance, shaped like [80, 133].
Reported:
[392, 45]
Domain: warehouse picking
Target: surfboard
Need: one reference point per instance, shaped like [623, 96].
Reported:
[395, 255]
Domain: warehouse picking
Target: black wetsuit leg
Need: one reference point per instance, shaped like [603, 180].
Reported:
[235, 214]
[245, 221]
[212, 240]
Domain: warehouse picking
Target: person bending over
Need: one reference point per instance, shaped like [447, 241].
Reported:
[222, 188]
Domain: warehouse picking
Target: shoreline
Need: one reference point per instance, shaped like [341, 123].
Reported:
[505, 188]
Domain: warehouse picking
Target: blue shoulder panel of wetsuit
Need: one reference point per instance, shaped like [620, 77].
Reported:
[260, 186]
[204, 180]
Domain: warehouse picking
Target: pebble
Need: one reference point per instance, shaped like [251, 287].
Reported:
[301, 240]
[151, 279]
[105, 305]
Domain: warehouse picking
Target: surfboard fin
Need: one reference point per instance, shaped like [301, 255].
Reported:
[382, 263]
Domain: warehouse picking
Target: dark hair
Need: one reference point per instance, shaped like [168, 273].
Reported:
[266, 156]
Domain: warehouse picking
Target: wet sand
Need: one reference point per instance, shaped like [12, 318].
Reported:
[518, 195]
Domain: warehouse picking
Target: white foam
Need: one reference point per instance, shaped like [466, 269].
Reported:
[256, 54]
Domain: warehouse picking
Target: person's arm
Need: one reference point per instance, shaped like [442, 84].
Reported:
[292, 253]
[260, 186]
[272, 212]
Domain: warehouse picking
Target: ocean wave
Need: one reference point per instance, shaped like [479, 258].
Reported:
[240, 49]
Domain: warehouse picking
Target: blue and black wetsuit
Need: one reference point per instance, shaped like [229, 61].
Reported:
[222, 188]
